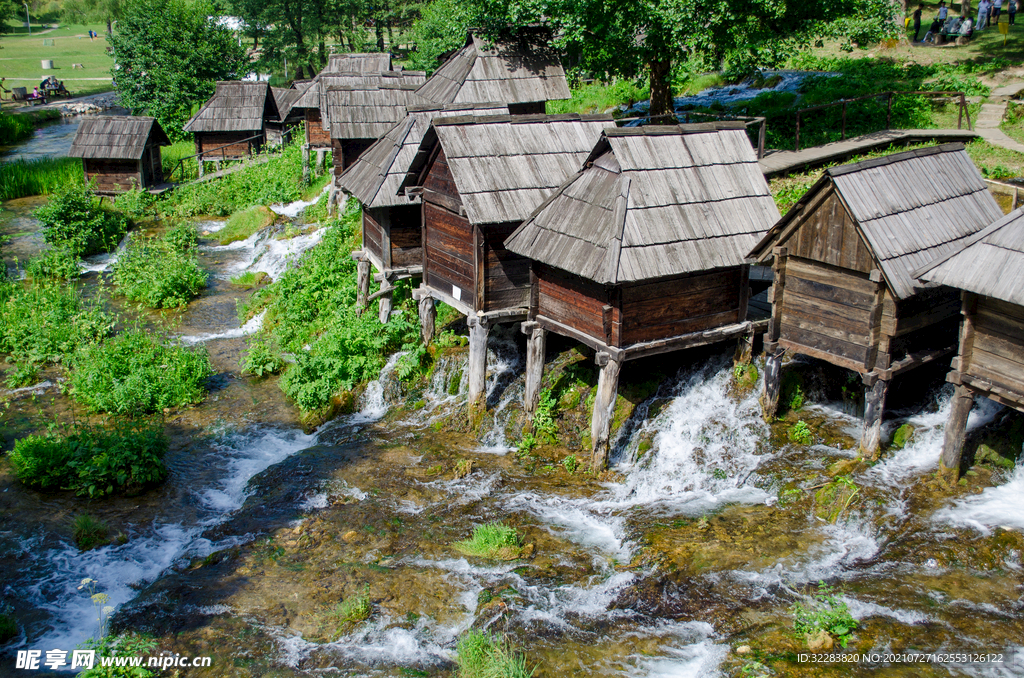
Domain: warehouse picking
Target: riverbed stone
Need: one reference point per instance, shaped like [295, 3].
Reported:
[820, 641]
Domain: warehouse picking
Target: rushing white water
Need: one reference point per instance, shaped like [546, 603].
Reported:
[151, 549]
[252, 326]
[373, 402]
[263, 252]
[1000, 506]
[293, 209]
[99, 263]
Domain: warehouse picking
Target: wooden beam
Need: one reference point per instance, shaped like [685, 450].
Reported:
[912, 360]
[772, 383]
[478, 331]
[874, 410]
[850, 364]
[875, 318]
[535, 347]
[604, 408]
[428, 317]
[403, 273]
[586, 339]
[956, 430]
[776, 294]
[685, 341]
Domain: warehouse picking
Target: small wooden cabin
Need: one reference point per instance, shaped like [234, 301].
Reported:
[643, 251]
[988, 269]
[844, 256]
[279, 129]
[232, 124]
[525, 75]
[120, 152]
[479, 179]
[392, 223]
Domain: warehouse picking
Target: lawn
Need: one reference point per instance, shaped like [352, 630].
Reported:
[20, 56]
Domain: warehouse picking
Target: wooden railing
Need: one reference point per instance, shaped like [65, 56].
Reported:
[181, 162]
[962, 105]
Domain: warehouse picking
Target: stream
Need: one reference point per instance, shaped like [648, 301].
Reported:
[689, 548]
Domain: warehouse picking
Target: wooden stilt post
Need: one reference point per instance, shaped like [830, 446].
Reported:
[874, 409]
[384, 303]
[305, 163]
[428, 314]
[956, 430]
[321, 154]
[744, 348]
[478, 331]
[604, 407]
[362, 280]
[772, 383]
[535, 345]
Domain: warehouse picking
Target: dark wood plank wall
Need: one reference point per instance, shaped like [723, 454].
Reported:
[577, 303]
[506, 275]
[210, 143]
[350, 150]
[669, 308]
[406, 235]
[529, 108]
[153, 157]
[373, 234]
[996, 349]
[828, 309]
[928, 320]
[112, 175]
[827, 233]
[448, 252]
[316, 135]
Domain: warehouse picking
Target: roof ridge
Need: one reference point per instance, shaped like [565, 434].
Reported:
[972, 240]
[520, 119]
[894, 158]
[689, 128]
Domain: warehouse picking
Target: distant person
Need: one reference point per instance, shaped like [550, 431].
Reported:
[3, 88]
[1012, 10]
[997, 7]
[35, 94]
[943, 11]
[917, 21]
[983, 8]
[933, 30]
[965, 28]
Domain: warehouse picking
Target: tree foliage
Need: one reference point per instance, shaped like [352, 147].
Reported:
[168, 58]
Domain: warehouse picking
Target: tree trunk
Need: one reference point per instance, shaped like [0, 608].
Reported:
[110, 28]
[661, 92]
[380, 35]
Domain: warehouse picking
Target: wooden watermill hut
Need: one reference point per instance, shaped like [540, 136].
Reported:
[479, 178]
[524, 74]
[233, 123]
[120, 152]
[843, 259]
[643, 251]
[392, 223]
[988, 270]
[279, 129]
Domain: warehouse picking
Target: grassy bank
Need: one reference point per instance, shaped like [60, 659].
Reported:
[23, 178]
[71, 45]
[15, 127]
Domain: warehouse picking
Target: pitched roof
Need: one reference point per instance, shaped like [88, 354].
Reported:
[378, 173]
[910, 208]
[358, 62]
[991, 262]
[367, 111]
[235, 106]
[505, 72]
[121, 137]
[315, 94]
[505, 166]
[654, 202]
[285, 98]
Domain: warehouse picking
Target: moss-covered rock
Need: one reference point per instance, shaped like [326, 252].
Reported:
[834, 498]
[904, 434]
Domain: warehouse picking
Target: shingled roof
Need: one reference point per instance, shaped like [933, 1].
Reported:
[505, 166]
[654, 202]
[359, 62]
[910, 208]
[235, 106]
[991, 262]
[377, 174]
[285, 99]
[506, 72]
[368, 111]
[120, 137]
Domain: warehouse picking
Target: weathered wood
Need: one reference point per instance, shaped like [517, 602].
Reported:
[477, 370]
[604, 407]
[956, 429]
[875, 318]
[305, 159]
[384, 303]
[535, 345]
[772, 382]
[362, 283]
[428, 318]
[874, 410]
[777, 293]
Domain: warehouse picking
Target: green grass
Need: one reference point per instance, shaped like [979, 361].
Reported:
[481, 655]
[161, 272]
[171, 155]
[492, 540]
[249, 279]
[243, 224]
[88, 532]
[598, 97]
[22, 178]
[15, 127]
[22, 55]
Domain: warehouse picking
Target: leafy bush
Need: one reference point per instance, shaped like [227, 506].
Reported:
[88, 532]
[260, 360]
[72, 218]
[54, 263]
[22, 178]
[23, 374]
[825, 612]
[47, 322]
[134, 203]
[800, 433]
[243, 224]
[598, 97]
[128, 645]
[93, 460]
[492, 540]
[161, 273]
[135, 373]
[481, 655]
[544, 426]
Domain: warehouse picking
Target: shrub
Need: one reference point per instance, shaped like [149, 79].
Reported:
[88, 532]
[260, 360]
[92, 460]
[128, 645]
[492, 540]
[23, 374]
[47, 322]
[825, 612]
[481, 655]
[54, 263]
[243, 224]
[22, 178]
[134, 203]
[800, 433]
[135, 373]
[161, 273]
[72, 218]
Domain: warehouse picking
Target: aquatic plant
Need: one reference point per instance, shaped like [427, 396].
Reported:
[135, 373]
[23, 374]
[570, 463]
[161, 272]
[243, 224]
[54, 263]
[22, 178]
[73, 218]
[482, 655]
[260, 360]
[544, 426]
[823, 612]
[800, 433]
[492, 540]
[126, 645]
[47, 322]
[88, 532]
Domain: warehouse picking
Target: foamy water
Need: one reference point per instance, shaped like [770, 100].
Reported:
[252, 326]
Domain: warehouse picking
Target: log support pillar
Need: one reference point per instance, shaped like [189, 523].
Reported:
[202, 167]
[321, 154]
[874, 409]
[744, 348]
[604, 408]
[479, 328]
[536, 341]
[956, 431]
[362, 280]
[772, 382]
[428, 314]
[384, 302]
[305, 163]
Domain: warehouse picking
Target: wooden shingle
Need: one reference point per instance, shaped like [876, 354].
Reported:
[235, 106]
[116, 137]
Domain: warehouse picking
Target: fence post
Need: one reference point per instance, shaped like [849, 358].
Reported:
[760, 138]
[797, 131]
[963, 107]
[888, 113]
[842, 133]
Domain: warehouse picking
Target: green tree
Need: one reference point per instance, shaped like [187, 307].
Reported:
[440, 29]
[8, 12]
[168, 57]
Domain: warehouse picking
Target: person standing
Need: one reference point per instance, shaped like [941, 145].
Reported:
[943, 11]
[997, 7]
[983, 7]
[1012, 10]
[917, 21]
